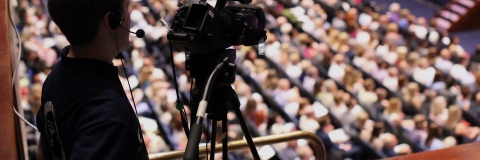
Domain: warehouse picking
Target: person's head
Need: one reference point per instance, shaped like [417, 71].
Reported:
[476, 74]
[438, 105]
[392, 28]
[284, 84]
[449, 142]
[382, 63]
[260, 65]
[430, 94]
[394, 7]
[454, 116]
[402, 52]
[412, 88]
[330, 85]
[402, 80]
[420, 121]
[404, 12]
[369, 84]
[312, 71]
[432, 54]
[477, 50]
[318, 86]
[338, 97]
[413, 57]
[438, 76]
[423, 63]
[393, 72]
[465, 91]
[450, 82]
[446, 54]
[461, 129]
[381, 93]
[339, 59]
[304, 152]
[395, 106]
[390, 140]
[378, 129]
[434, 131]
[87, 23]
[477, 97]
[362, 118]
[251, 105]
[295, 58]
[271, 81]
[455, 40]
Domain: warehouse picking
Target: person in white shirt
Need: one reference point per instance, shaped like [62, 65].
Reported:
[424, 74]
[337, 68]
[459, 70]
[339, 108]
[438, 110]
[443, 62]
[294, 67]
[391, 81]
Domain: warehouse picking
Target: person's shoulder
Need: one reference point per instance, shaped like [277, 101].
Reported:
[109, 106]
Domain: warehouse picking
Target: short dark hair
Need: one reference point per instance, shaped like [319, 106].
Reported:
[79, 19]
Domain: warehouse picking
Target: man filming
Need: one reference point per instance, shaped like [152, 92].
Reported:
[85, 113]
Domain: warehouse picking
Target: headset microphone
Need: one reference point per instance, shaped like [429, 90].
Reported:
[140, 32]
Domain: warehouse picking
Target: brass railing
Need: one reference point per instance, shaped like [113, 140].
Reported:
[318, 147]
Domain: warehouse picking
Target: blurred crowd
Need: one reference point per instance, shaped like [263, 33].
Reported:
[368, 81]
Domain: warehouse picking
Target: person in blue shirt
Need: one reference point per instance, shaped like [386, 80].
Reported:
[432, 141]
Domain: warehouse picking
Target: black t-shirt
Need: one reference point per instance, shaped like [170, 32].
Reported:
[85, 113]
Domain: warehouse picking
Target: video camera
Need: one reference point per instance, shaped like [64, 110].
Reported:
[199, 28]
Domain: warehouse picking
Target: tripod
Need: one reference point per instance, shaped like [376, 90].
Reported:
[221, 71]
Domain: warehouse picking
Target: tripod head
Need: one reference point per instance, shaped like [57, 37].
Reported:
[200, 67]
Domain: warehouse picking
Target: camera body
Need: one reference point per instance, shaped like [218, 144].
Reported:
[200, 28]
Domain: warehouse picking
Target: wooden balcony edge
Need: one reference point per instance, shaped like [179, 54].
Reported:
[464, 152]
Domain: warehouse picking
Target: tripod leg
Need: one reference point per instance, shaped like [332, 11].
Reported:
[213, 140]
[224, 136]
[248, 137]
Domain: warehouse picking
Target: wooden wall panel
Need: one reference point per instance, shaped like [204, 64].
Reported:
[8, 146]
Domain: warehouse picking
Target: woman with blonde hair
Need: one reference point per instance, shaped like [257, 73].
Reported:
[270, 84]
[260, 72]
[454, 116]
[353, 82]
[394, 107]
[332, 35]
[412, 91]
[341, 41]
[438, 110]
[367, 93]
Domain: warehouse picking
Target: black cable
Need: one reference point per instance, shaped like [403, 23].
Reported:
[174, 72]
[179, 104]
[125, 71]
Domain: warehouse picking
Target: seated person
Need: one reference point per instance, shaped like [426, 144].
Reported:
[466, 133]
[419, 131]
[391, 147]
[342, 141]
[432, 141]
